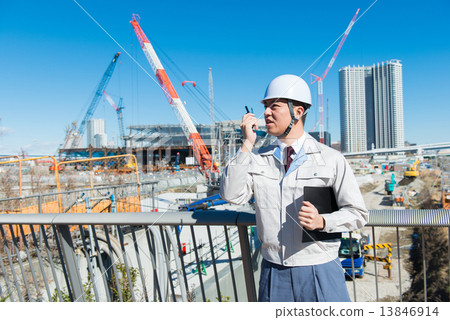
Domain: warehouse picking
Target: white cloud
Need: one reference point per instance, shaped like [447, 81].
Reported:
[40, 147]
[5, 131]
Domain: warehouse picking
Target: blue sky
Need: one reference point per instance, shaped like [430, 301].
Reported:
[53, 56]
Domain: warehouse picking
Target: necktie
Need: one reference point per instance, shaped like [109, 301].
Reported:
[289, 152]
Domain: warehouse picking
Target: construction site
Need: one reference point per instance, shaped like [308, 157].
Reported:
[176, 168]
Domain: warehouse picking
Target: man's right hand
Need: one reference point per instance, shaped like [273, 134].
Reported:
[248, 125]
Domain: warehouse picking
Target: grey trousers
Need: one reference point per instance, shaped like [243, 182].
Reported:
[317, 283]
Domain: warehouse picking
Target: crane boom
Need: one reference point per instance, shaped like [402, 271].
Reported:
[341, 43]
[118, 109]
[94, 103]
[201, 153]
[320, 79]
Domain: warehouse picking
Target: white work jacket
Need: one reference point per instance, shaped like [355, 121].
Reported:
[279, 195]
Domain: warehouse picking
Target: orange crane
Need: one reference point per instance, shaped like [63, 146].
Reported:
[201, 153]
[320, 79]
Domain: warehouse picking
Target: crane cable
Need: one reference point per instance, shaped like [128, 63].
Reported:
[320, 57]
[120, 46]
[185, 76]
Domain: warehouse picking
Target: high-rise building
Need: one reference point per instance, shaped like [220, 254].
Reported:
[100, 140]
[353, 109]
[326, 137]
[371, 101]
[388, 105]
[93, 128]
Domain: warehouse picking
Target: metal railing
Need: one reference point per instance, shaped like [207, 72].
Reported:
[146, 256]
[126, 197]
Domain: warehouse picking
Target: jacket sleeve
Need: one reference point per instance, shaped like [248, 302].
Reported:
[236, 185]
[352, 213]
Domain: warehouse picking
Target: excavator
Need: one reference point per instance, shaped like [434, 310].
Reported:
[413, 171]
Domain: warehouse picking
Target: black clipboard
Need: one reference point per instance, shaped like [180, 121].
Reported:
[324, 200]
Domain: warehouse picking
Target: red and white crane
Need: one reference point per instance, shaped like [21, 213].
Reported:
[320, 79]
[201, 153]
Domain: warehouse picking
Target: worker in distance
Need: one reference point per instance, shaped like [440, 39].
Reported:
[297, 264]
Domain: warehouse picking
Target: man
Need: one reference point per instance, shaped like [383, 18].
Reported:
[294, 268]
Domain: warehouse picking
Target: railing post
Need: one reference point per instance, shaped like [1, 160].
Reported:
[247, 264]
[69, 257]
[40, 211]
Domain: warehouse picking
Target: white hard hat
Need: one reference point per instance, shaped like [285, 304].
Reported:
[288, 86]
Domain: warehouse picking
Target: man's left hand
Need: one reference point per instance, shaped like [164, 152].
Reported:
[310, 218]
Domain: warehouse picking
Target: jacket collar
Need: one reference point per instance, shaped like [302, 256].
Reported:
[310, 145]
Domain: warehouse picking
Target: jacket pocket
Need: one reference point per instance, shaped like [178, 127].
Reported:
[315, 176]
[266, 188]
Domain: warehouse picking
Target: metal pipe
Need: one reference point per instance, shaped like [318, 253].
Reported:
[125, 260]
[167, 260]
[19, 260]
[353, 267]
[183, 268]
[10, 291]
[399, 267]
[50, 259]
[113, 264]
[216, 278]
[63, 264]
[39, 256]
[247, 264]
[89, 254]
[138, 257]
[30, 261]
[72, 268]
[177, 263]
[39, 211]
[151, 249]
[375, 261]
[199, 267]
[379, 218]
[230, 261]
[159, 251]
[102, 267]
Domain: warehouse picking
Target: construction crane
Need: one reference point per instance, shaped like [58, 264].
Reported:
[76, 134]
[319, 80]
[201, 153]
[211, 113]
[118, 109]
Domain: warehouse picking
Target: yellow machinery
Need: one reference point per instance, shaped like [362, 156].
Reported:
[414, 170]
